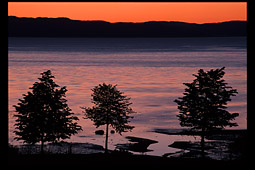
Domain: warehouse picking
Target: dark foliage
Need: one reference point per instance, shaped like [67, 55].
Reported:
[203, 106]
[43, 114]
[111, 108]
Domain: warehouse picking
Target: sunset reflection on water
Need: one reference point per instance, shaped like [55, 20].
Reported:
[152, 87]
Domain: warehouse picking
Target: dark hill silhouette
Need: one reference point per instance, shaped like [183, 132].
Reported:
[65, 27]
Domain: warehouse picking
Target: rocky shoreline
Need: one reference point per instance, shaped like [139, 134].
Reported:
[61, 148]
[219, 145]
[227, 145]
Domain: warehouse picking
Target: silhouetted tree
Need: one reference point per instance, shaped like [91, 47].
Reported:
[111, 108]
[203, 106]
[43, 114]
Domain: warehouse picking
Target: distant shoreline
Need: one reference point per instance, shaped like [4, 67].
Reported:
[126, 37]
[65, 27]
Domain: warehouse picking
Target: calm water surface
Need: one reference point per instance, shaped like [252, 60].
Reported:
[149, 70]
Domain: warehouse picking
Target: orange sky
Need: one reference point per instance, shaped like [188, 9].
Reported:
[193, 12]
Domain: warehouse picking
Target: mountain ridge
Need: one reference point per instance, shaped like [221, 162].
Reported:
[65, 27]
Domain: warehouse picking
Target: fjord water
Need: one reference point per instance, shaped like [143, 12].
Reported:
[149, 70]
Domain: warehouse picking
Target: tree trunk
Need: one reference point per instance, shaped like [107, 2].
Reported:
[203, 143]
[106, 138]
[42, 145]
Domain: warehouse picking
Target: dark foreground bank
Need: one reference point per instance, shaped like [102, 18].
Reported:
[115, 160]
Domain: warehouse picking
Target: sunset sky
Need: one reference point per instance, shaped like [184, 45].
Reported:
[192, 12]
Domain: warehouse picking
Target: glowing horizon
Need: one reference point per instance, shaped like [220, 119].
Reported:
[191, 12]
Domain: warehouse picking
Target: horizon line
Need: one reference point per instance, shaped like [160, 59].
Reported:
[124, 21]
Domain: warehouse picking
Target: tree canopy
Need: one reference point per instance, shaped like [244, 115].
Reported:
[203, 106]
[111, 108]
[43, 114]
